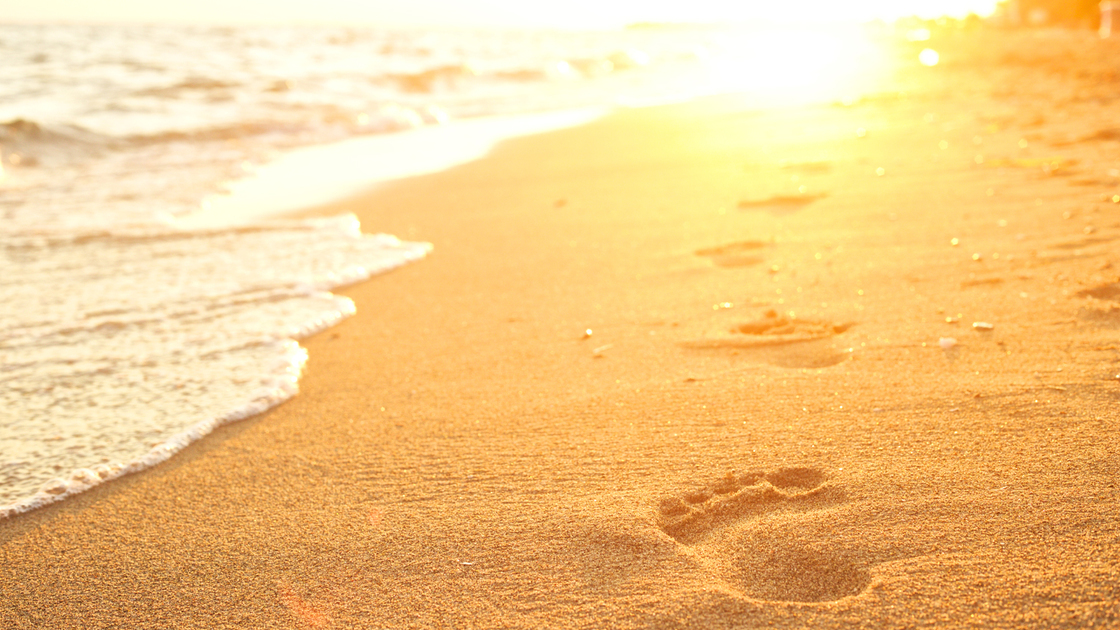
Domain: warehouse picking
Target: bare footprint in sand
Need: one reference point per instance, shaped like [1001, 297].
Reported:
[1100, 135]
[815, 167]
[779, 204]
[1084, 243]
[1108, 316]
[774, 327]
[780, 340]
[1103, 292]
[720, 524]
[741, 254]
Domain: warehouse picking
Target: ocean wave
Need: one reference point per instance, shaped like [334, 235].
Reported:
[191, 84]
[460, 76]
[427, 81]
[28, 143]
[124, 363]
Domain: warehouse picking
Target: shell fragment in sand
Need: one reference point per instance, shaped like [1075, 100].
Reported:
[982, 326]
[946, 342]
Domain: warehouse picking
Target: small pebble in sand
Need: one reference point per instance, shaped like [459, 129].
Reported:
[587, 334]
[982, 326]
[954, 242]
[953, 320]
[946, 342]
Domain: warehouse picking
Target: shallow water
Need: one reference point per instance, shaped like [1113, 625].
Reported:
[153, 338]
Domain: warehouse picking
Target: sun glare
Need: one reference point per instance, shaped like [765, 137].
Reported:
[798, 65]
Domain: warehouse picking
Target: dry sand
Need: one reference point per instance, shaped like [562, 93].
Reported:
[762, 429]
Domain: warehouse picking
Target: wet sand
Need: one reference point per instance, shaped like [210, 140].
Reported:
[625, 390]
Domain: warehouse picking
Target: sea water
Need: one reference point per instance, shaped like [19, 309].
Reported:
[150, 287]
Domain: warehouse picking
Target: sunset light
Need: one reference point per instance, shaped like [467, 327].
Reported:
[788, 65]
[522, 314]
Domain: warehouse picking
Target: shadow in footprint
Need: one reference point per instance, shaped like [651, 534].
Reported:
[980, 282]
[777, 328]
[1108, 133]
[741, 254]
[816, 167]
[799, 573]
[1082, 243]
[1103, 292]
[782, 341]
[716, 521]
[780, 204]
[1101, 316]
[693, 515]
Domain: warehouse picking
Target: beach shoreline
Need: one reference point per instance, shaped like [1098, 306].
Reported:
[693, 365]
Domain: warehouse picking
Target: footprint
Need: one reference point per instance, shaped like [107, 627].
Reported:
[1084, 242]
[718, 522]
[780, 203]
[980, 282]
[1109, 133]
[1056, 165]
[1091, 182]
[816, 167]
[777, 328]
[692, 515]
[741, 254]
[1103, 316]
[782, 341]
[1104, 292]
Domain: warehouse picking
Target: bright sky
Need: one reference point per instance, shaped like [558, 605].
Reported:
[563, 13]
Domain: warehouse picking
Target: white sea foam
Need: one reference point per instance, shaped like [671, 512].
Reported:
[314, 175]
[119, 349]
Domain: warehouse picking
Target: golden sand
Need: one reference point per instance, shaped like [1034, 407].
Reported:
[767, 425]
